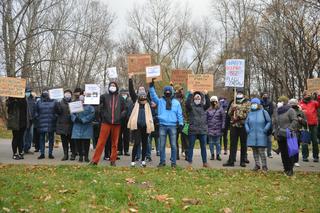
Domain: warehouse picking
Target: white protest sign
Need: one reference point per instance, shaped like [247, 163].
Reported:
[75, 107]
[154, 71]
[56, 94]
[235, 69]
[112, 72]
[92, 94]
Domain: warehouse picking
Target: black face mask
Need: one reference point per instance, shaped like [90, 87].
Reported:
[45, 95]
[142, 99]
[265, 98]
[295, 107]
[307, 99]
[168, 95]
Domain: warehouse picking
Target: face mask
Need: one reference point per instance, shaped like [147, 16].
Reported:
[28, 94]
[125, 97]
[112, 89]
[67, 96]
[308, 98]
[239, 96]
[168, 94]
[142, 99]
[45, 95]
[280, 104]
[197, 102]
[178, 94]
[81, 98]
[265, 98]
[254, 106]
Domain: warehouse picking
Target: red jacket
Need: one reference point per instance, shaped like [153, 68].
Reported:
[310, 110]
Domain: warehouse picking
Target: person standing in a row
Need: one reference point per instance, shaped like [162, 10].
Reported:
[28, 134]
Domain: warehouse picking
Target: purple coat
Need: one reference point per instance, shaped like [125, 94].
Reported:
[216, 121]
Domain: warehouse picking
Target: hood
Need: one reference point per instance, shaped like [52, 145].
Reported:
[113, 82]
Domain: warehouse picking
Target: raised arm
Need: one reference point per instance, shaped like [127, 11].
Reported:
[153, 94]
[207, 105]
[132, 93]
[188, 102]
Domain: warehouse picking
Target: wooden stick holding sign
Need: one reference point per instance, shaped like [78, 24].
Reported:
[200, 82]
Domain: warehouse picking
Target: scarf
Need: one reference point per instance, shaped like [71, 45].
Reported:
[283, 109]
[168, 103]
[133, 120]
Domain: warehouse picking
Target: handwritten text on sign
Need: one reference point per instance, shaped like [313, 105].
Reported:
[137, 63]
[235, 69]
[200, 82]
[180, 76]
[313, 84]
[12, 87]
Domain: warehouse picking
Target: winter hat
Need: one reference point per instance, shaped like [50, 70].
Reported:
[68, 90]
[76, 90]
[255, 101]
[283, 99]
[178, 87]
[293, 102]
[167, 88]
[214, 98]
[142, 94]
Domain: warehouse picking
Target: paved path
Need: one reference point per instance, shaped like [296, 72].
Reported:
[273, 164]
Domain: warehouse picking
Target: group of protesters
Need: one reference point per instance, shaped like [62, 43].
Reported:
[141, 116]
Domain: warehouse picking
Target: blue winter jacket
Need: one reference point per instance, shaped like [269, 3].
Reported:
[257, 125]
[167, 117]
[82, 123]
[46, 115]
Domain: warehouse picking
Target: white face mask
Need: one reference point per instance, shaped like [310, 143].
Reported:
[280, 104]
[197, 102]
[81, 98]
[112, 89]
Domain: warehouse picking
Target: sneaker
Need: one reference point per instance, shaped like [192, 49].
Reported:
[205, 165]
[21, 156]
[16, 157]
[173, 165]
[296, 164]
[256, 168]
[28, 152]
[81, 159]
[126, 154]
[161, 165]
[148, 159]
[243, 164]
[270, 156]
[106, 158]
[36, 150]
[265, 168]
[73, 157]
[143, 164]
[305, 160]
[289, 173]
[133, 164]
[51, 156]
[246, 161]
[316, 160]
[276, 151]
[218, 158]
[228, 164]
[41, 157]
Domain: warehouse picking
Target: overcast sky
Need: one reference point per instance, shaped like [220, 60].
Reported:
[199, 8]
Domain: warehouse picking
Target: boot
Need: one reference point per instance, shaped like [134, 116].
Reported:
[65, 157]
[86, 159]
[212, 157]
[218, 158]
[80, 158]
[205, 165]
[73, 157]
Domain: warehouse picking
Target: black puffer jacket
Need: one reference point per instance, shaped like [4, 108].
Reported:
[64, 123]
[112, 107]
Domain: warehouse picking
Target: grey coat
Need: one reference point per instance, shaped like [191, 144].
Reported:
[286, 118]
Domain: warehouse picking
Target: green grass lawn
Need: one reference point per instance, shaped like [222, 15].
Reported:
[105, 189]
[4, 133]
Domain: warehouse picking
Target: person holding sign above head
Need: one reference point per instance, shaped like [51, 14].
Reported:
[17, 122]
[46, 116]
[82, 130]
[112, 110]
[64, 126]
[169, 114]
[238, 114]
[196, 105]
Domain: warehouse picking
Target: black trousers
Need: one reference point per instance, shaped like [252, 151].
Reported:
[83, 146]
[235, 134]
[224, 140]
[184, 142]
[17, 141]
[66, 141]
[286, 160]
[123, 145]
[140, 136]
[36, 139]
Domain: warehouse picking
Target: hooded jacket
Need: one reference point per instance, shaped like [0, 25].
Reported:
[112, 107]
[216, 118]
[46, 115]
[286, 118]
[64, 123]
[310, 111]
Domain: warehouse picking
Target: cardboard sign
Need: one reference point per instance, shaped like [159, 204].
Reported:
[180, 76]
[200, 82]
[76, 107]
[313, 84]
[12, 87]
[92, 94]
[137, 63]
[153, 72]
[56, 94]
[112, 72]
[235, 70]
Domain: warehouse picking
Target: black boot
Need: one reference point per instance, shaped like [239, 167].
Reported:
[212, 157]
[86, 159]
[80, 158]
[73, 157]
[65, 157]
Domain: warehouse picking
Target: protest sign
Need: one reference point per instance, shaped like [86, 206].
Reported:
[12, 87]
[235, 69]
[180, 76]
[76, 107]
[313, 84]
[112, 72]
[56, 94]
[137, 63]
[200, 82]
[92, 94]
[153, 71]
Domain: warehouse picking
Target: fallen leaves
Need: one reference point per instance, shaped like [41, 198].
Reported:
[130, 180]
[133, 210]
[47, 198]
[191, 201]
[6, 209]
[162, 198]
[226, 210]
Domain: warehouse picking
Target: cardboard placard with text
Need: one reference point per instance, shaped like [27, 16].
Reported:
[180, 76]
[12, 87]
[159, 78]
[313, 84]
[200, 82]
[137, 63]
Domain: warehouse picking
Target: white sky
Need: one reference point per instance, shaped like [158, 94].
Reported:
[199, 9]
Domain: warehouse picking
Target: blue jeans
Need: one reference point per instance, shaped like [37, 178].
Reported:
[203, 142]
[269, 145]
[149, 147]
[214, 141]
[172, 132]
[43, 142]
[27, 138]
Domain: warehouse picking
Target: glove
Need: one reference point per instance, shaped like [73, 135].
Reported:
[152, 83]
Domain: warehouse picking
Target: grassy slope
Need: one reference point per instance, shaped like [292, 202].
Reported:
[100, 189]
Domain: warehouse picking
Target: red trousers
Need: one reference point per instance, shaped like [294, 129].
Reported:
[105, 131]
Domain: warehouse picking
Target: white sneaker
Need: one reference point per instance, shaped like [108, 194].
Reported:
[296, 164]
[133, 164]
[270, 156]
[143, 164]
